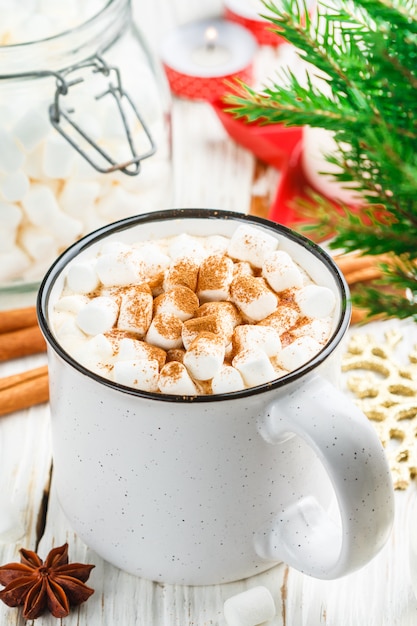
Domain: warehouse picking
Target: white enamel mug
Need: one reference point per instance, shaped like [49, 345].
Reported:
[215, 488]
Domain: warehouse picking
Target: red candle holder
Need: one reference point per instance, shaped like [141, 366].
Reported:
[246, 13]
[272, 143]
[249, 13]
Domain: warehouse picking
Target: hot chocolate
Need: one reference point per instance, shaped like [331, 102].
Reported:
[193, 315]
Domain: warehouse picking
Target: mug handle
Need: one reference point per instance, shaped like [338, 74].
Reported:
[303, 535]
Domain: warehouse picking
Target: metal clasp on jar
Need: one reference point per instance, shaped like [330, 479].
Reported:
[63, 119]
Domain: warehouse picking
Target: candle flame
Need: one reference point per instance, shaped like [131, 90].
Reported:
[210, 36]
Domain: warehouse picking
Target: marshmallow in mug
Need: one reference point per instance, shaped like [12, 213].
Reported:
[215, 330]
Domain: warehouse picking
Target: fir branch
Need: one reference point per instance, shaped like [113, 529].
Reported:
[363, 89]
[275, 105]
[379, 304]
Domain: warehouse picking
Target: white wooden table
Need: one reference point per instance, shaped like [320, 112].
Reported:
[210, 171]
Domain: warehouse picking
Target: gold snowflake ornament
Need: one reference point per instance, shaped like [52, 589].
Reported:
[386, 391]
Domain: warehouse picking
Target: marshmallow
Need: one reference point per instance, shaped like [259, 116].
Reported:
[70, 336]
[227, 311]
[204, 357]
[32, 128]
[252, 337]
[217, 244]
[142, 374]
[40, 206]
[114, 246]
[91, 221]
[282, 319]
[165, 331]
[226, 380]
[33, 164]
[113, 125]
[174, 379]
[281, 272]
[38, 243]
[228, 317]
[254, 367]
[58, 157]
[214, 278]
[119, 268]
[182, 271]
[186, 246]
[71, 304]
[89, 120]
[7, 114]
[14, 186]
[83, 170]
[315, 301]
[154, 260]
[13, 263]
[77, 197]
[128, 349]
[135, 309]
[82, 276]
[109, 204]
[206, 324]
[318, 329]
[98, 315]
[10, 218]
[96, 354]
[11, 157]
[249, 608]
[242, 268]
[251, 244]
[179, 301]
[65, 229]
[298, 353]
[253, 297]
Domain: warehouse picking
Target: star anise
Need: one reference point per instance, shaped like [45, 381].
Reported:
[54, 584]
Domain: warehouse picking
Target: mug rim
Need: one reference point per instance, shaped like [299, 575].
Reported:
[85, 242]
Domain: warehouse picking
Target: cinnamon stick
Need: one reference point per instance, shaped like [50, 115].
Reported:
[24, 390]
[22, 342]
[363, 274]
[14, 319]
[353, 261]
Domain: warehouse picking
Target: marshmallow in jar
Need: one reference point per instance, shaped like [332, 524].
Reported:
[83, 129]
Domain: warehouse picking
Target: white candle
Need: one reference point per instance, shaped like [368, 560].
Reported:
[211, 54]
[208, 48]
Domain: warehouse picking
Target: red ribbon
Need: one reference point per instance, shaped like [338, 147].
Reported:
[203, 88]
[260, 29]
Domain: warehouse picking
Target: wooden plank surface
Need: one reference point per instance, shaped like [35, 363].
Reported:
[210, 171]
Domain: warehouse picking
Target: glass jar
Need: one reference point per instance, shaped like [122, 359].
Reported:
[84, 133]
